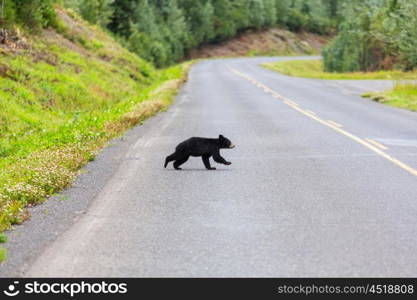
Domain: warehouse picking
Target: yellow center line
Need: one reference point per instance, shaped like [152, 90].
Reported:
[310, 111]
[288, 103]
[367, 144]
[291, 102]
[334, 123]
[383, 147]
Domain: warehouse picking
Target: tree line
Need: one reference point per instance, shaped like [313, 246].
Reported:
[374, 35]
[371, 34]
[33, 14]
[163, 31]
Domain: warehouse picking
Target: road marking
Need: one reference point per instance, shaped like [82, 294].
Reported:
[143, 143]
[399, 142]
[357, 139]
[334, 123]
[377, 144]
[291, 102]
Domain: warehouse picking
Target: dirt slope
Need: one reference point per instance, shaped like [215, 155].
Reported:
[269, 42]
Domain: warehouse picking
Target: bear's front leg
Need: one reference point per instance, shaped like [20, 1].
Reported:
[206, 161]
[217, 158]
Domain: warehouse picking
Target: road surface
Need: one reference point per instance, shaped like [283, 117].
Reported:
[322, 183]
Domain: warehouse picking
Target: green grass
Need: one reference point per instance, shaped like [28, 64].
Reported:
[3, 251]
[3, 238]
[62, 99]
[314, 69]
[3, 254]
[402, 95]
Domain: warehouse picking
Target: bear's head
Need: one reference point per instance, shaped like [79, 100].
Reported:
[225, 142]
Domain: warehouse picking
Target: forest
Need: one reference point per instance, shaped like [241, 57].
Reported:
[374, 35]
[369, 35]
[163, 31]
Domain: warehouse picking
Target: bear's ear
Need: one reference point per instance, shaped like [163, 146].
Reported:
[221, 137]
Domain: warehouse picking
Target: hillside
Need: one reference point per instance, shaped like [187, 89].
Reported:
[275, 41]
[64, 93]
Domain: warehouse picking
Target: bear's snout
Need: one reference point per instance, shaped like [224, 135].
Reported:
[232, 146]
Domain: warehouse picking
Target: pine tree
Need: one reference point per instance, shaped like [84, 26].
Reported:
[123, 14]
[224, 26]
[96, 11]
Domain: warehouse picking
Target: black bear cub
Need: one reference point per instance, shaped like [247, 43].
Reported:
[197, 146]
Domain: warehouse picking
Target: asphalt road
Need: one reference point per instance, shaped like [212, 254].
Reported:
[322, 183]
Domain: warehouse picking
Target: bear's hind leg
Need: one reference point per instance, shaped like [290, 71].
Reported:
[170, 158]
[179, 162]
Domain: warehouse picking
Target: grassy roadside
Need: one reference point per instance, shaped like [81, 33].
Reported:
[314, 69]
[63, 96]
[403, 95]
[28, 180]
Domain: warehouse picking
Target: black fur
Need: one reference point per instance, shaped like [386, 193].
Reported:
[197, 146]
